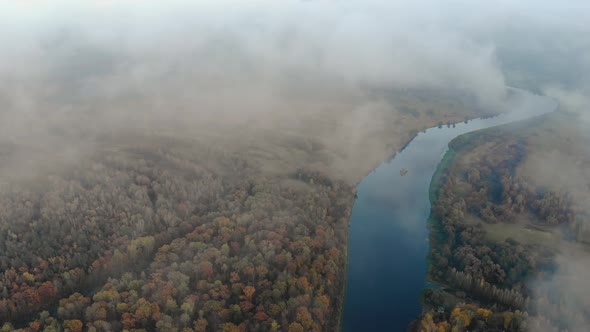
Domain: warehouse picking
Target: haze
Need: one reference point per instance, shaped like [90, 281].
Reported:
[284, 85]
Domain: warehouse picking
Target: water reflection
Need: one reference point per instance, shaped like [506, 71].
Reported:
[386, 249]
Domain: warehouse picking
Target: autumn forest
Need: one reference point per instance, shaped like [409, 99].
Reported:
[148, 240]
[495, 234]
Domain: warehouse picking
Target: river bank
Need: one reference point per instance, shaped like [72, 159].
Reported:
[509, 230]
[388, 228]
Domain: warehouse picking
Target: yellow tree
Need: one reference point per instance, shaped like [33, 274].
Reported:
[73, 325]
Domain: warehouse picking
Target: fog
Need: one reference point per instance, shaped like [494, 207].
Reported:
[235, 74]
[117, 61]
[85, 69]
[556, 61]
[75, 71]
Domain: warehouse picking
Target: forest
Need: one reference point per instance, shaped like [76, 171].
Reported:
[145, 239]
[194, 224]
[488, 277]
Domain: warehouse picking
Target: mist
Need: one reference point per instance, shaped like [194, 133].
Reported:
[74, 71]
[234, 75]
[86, 69]
[188, 61]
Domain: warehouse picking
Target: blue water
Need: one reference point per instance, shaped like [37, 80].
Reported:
[388, 239]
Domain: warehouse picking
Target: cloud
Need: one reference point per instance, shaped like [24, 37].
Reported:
[73, 71]
[99, 50]
[564, 297]
[233, 72]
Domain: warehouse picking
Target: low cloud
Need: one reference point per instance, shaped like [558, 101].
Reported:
[564, 297]
[232, 72]
[226, 56]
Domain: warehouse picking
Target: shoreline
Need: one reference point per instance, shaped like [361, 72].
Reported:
[432, 226]
[435, 124]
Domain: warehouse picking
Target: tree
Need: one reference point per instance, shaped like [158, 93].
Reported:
[229, 327]
[296, 327]
[261, 315]
[248, 292]
[304, 317]
[200, 325]
[73, 325]
[460, 318]
[128, 320]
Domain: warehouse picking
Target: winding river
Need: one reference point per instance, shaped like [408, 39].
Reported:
[388, 239]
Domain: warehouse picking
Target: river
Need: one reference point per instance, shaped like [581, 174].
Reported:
[388, 238]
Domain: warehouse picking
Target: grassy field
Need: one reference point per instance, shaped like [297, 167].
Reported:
[524, 231]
